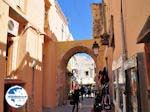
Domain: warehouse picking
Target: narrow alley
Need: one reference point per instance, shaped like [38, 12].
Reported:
[52, 52]
[86, 106]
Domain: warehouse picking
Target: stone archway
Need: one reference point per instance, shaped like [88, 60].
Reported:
[62, 97]
[73, 51]
[56, 57]
[64, 53]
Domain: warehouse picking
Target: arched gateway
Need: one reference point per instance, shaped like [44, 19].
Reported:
[56, 57]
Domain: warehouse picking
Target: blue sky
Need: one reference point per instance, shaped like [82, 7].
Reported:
[79, 15]
[88, 57]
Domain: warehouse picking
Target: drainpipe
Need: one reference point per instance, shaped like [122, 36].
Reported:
[124, 51]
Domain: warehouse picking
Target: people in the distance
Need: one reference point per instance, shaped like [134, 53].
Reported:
[89, 91]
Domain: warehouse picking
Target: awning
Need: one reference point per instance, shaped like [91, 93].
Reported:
[144, 36]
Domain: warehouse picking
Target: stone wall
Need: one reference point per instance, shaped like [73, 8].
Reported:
[97, 13]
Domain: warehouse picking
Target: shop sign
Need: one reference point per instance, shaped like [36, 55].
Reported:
[16, 96]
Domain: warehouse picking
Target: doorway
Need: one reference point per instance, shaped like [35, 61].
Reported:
[9, 83]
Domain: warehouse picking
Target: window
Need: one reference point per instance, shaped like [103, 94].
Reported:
[14, 55]
[86, 73]
[62, 30]
[112, 31]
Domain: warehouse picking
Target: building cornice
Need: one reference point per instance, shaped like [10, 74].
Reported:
[58, 8]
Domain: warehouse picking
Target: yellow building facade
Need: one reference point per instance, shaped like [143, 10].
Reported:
[22, 43]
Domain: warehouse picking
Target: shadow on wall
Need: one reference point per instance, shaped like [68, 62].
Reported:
[29, 72]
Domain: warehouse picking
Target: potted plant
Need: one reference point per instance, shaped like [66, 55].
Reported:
[105, 39]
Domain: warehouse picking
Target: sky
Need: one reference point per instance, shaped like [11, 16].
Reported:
[84, 55]
[79, 15]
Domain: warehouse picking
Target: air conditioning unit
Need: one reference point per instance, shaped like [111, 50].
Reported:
[13, 27]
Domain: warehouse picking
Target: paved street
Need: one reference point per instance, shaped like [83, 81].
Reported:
[87, 105]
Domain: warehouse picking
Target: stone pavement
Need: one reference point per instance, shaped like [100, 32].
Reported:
[86, 106]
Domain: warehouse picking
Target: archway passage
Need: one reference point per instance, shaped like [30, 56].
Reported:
[81, 75]
[56, 57]
[64, 52]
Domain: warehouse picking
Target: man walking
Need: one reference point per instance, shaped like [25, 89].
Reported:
[76, 99]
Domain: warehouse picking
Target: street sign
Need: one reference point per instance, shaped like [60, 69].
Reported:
[16, 96]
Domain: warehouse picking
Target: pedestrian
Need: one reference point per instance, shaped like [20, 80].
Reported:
[82, 91]
[76, 99]
[89, 92]
[106, 102]
[104, 82]
[104, 78]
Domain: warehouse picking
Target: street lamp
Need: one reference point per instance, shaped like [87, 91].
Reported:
[95, 48]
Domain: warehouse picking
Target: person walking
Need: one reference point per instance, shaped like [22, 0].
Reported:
[105, 82]
[89, 92]
[76, 99]
[82, 91]
[106, 102]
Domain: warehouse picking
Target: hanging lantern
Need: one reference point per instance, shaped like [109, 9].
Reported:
[95, 48]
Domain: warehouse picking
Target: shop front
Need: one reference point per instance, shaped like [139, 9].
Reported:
[133, 84]
[144, 37]
[130, 88]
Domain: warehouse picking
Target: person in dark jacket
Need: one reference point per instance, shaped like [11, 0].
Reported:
[82, 91]
[104, 78]
[76, 99]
